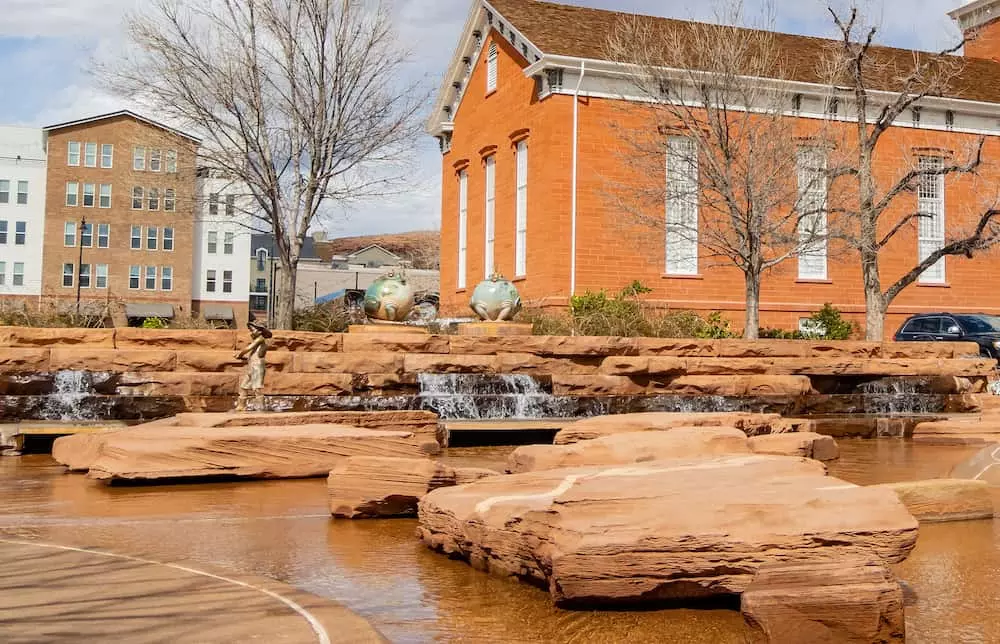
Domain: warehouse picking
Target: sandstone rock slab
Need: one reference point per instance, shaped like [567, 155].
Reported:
[261, 452]
[598, 426]
[684, 529]
[174, 339]
[27, 337]
[984, 466]
[96, 359]
[805, 444]
[844, 601]
[726, 385]
[624, 449]
[24, 360]
[373, 486]
[938, 500]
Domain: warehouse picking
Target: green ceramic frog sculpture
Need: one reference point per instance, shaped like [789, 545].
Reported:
[389, 298]
[495, 299]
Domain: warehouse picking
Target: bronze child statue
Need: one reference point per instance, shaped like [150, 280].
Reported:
[253, 376]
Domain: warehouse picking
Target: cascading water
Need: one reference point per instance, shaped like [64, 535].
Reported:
[898, 396]
[70, 392]
[482, 397]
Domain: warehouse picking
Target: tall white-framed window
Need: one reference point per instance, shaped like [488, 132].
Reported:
[73, 153]
[3, 273]
[103, 235]
[105, 197]
[138, 158]
[812, 182]
[521, 219]
[930, 204]
[107, 155]
[463, 226]
[491, 67]
[682, 206]
[69, 234]
[18, 274]
[133, 277]
[166, 278]
[101, 276]
[90, 155]
[150, 284]
[490, 220]
[68, 275]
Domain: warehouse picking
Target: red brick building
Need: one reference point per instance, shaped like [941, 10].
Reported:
[526, 119]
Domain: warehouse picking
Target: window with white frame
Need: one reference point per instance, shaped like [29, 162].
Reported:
[152, 235]
[169, 200]
[150, 284]
[930, 205]
[4, 190]
[133, 277]
[171, 160]
[72, 193]
[227, 243]
[18, 277]
[137, 198]
[463, 225]
[22, 193]
[68, 275]
[90, 155]
[88, 195]
[168, 239]
[213, 203]
[166, 278]
[101, 276]
[213, 242]
[105, 201]
[521, 219]
[3, 273]
[107, 155]
[103, 235]
[20, 232]
[491, 67]
[682, 206]
[153, 197]
[69, 234]
[230, 205]
[3, 231]
[136, 240]
[87, 235]
[138, 158]
[84, 275]
[210, 281]
[490, 220]
[227, 281]
[154, 161]
[812, 213]
[73, 153]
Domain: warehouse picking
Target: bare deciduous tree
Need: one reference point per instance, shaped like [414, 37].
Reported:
[882, 211]
[741, 188]
[299, 101]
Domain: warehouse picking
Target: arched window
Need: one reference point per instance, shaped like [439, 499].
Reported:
[261, 258]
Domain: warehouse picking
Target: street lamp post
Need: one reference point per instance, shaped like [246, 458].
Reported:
[79, 265]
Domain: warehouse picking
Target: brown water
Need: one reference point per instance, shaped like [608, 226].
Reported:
[282, 530]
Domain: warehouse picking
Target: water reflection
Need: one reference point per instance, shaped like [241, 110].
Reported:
[282, 530]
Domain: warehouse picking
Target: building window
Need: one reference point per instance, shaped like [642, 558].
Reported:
[213, 242]
[491, 68]
[3, 273]
[152, 234]
[166, 278]
[107, 155]
[3, 231]
[258, 302]
[103, 235]
[84, 275]
[227, 244]
[18, 273]
[169, 200]
[463, 225]
[154, 198]
[88, 195]
[137, 198]
[69, 234]
[136, 238]
[832, 107]
[4, 191]
[105, 201]
[682, 206]
[812, 213]
[227, 281]
[210, 281]
[22, 193]
[20, 232]
[72, 193]
[261, 258]
[915, 114]
[230, 205]
[949, 120]
[930, 205]
[67, 275]
[796, 103]
[90, 156]
[73, 153]
[521, 219]
[171, 160]
[154, 161]
[491, 195]
[133, 277]
[87, 235]
[101, 276]
[168, 239]
[138, 158]
[150, 278]
[261, 285]
[213, 203]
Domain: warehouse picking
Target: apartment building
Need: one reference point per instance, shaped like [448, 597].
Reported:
[22, 212]
[222, 230]
[120, 215]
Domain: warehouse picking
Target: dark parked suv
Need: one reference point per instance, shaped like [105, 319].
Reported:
[982, 329]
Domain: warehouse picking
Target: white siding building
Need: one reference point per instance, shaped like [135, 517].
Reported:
[221, 280]
[22, 211]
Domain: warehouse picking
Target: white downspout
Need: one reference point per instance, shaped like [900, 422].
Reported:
[576, 129]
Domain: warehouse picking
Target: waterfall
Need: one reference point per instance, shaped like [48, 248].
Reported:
[482, 397]
[70, 391]
[895, 396]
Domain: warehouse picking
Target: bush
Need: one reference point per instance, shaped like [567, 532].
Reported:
[154, 323]
[323, 318]
[715, 328]
[834, 326]
[780, 334]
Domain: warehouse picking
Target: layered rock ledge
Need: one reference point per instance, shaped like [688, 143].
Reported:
[749, 423]
[938, 500]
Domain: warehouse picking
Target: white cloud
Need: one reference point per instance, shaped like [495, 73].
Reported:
[50, 43]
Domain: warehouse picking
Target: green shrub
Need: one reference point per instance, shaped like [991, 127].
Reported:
[715, 327]
[779, 334]
[154, 323]
[834, 326]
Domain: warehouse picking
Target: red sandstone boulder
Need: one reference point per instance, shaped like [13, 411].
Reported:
[27, 337]
[805, 444]
[725, 385]
[598, 426]
[975, 430]
[200, 339]
[624, 449]
[465, 475]
[24, 360]
[937, 500]
[364, 487]
[839, 601]
[631, 535]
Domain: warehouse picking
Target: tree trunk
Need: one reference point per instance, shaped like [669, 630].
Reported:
[751, 329]
[875, 304]
[285, 304]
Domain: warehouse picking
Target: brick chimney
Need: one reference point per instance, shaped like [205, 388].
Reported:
[980, 23]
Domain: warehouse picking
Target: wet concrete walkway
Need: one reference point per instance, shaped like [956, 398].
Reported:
[51, 593]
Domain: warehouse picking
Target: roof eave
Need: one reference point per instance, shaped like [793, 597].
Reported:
[120, 113]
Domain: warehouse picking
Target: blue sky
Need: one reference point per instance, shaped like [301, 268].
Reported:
[46, 46]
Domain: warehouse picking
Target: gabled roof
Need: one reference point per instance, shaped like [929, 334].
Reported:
[579, 33]
[371, 246]
[120, 113]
